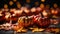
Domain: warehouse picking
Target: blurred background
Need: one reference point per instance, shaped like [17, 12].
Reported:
[30, 3]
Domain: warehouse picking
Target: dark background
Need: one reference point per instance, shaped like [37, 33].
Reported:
[31, 4]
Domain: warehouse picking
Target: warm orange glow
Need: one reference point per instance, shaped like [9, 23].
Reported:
[11, 3]
[7, 24]
[31, 28]
[41, 29]
[35, 30]
[24, 30]
[38, 9]
[26, 11]
[42, 0]
[12, 10]
[13, 14]
[7, 15]
[5, 6]
[20, 29]
[18, 4]
[28, 1]
[55, 22]
[55, 5]
[44, 13]
[18, 12]
[55, 30]
[33, 9]
[54, 12]
[14, 0]
[16, 28]
[47, 6]
[20, 22]
[36, 3]
[42, 6]
[1, 13]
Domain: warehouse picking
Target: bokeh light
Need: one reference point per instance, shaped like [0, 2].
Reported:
[28, 1]
[47, 6]
[18, 5]
[36, 3]
[11, 3]
[42, 6]
[44, 13]
[26, 10]
[55, 5]
[33, 9]
[38, 9]
[42, 0]
[5, 6]
[14, 0]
